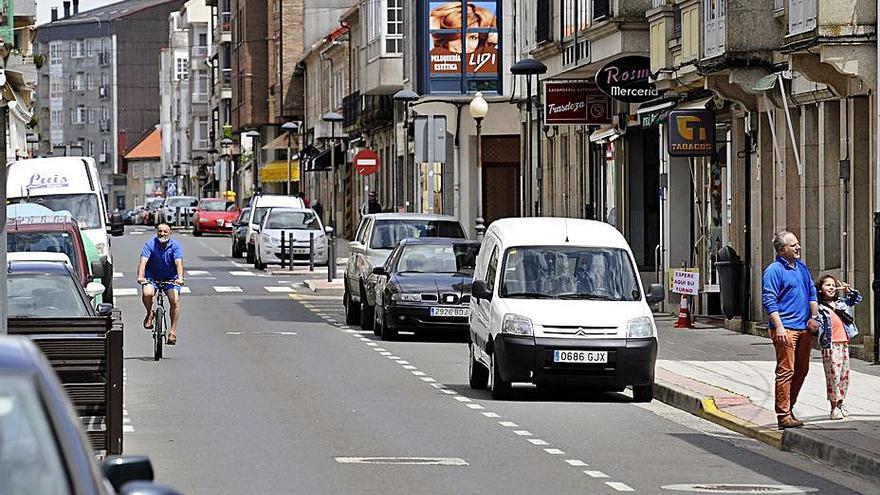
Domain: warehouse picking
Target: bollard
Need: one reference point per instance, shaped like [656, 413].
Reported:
[311, 251]
[330, 267]
[283, 239]
[290, 252]
[188, 219]
[177, 223]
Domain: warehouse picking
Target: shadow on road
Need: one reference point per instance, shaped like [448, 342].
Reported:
[277, 309]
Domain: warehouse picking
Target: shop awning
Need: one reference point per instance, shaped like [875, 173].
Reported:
[280, 143]
[605, 135]
[654, 112]
[277, 171]
[698, 104]
[322, 162]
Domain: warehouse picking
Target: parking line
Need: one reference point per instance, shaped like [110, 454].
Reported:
[475, 406]
[523, 433]
[509, 424]
[576, 462]
[491, 415]
[461, 399]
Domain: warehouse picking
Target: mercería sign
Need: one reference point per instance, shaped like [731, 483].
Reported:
[691, 132]
[626, 79]
[575, 103]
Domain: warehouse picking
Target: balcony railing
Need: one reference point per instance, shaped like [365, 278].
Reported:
[351, 109]
[226, 77]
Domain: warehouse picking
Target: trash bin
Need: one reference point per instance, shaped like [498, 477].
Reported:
[729, 267]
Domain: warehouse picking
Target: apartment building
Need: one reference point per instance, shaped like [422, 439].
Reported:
[21, 78]
[98, 90]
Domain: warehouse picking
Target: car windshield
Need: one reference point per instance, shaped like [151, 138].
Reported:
[40, 294]
[259, 213]
[182, 202]
[569, 273]
[294, 220]
[83, 207]
[218, 206]
[242, 217]
[389, 232]
[438, 258]
[41, 242]
[29, 458]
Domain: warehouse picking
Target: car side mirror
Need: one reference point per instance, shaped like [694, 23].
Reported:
[147, 488]
[655, 294]
[356, 247]
[480, 290]
[98, 269]
[93, 289]
[256, 228]
[104, 309]
[328, 230]
[119, 470]
[380, 270]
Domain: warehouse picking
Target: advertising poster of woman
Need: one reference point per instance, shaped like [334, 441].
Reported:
[463, 32]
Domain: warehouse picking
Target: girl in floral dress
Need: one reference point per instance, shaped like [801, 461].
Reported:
[836, 328]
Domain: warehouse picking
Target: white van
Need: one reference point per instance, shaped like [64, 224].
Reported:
[559, 302]
[259, 206]
[69, 183]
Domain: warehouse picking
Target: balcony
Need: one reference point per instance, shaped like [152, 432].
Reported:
[104, 59]
[377, 110]
[223, 27]
[351, 110]
[740, 29]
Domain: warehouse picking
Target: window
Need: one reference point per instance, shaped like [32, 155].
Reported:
[56, 88]
[181, 68]
[77, 49]
[105, 113]
[801, 16]
[55, 50]
[202, 132]
[56, 118]
[383, 33]
[492, 270]
[91, 113]
[714, 32]
[575, 19]
[394, 22]
[78, 115]
[90, 44]
[338, 89]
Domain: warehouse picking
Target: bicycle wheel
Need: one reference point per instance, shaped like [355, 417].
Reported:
[158, 332]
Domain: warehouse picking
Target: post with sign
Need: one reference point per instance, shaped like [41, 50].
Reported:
[686, 283]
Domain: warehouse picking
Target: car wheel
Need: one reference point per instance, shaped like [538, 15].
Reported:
[377, 321]
[352, 309]
[478, 375]
[499, 388]
[366, 311]
[388, 332]
[258, 263]
[236, 251]
[643, 393]
[196, 232]
[250, 254]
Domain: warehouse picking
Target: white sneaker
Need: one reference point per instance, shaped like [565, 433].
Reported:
[836, 414]
[843, 410]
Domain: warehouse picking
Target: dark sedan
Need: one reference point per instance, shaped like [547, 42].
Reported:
[425, 285]
[43, 448]
[239, 233]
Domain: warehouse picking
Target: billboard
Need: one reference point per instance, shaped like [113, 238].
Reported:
[575, 103]
[463, 47]
[691, 132]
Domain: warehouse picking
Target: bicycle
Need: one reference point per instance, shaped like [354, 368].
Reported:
[160, 316]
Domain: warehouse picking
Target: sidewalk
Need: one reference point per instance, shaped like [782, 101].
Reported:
[728, 378]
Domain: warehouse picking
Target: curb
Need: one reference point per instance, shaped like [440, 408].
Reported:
[705, 407]
[851, 459]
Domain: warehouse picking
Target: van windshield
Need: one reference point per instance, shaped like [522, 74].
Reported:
[560, 272]
[296, 220]
[83, 207]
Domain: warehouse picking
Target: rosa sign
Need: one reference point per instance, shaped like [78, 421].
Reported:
[626, 79]
[366, 162]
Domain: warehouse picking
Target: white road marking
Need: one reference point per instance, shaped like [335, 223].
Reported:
[538, 441]
[371, 344]
[427, 379]
[386, 353]
[237, 264]
[227, 289]
[418, 373]
[423, 461]
[509, 424]
[393, 357]
[239, 273]
[402, 362]
[350, 331]
[461, 399]
[491, 415]
[185, 290]
[409, 367]
[233, 333]
[125, 292]
[475, 406]
[621, 487]
[277, 290]
[136, 232]
[523, 433]
[198, 273]
[118, 275]
[127, 429]
[448, 392]
[576, 462]
[596, 474]
[554, 451]
[379, 349]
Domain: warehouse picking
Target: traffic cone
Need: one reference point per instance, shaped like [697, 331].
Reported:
[684, 314]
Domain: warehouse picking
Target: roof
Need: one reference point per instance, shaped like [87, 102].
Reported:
[111, 12]
[437, 240]
[38, 256]
[30, 266]
[149, 147]
[411, 216]
[548, 231]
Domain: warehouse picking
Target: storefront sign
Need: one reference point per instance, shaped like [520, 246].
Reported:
[366, 162]
[626, 79]
[575, 103]
[691, 132]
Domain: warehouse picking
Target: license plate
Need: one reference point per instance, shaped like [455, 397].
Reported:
[588, 357]
[300, 251]
[449, 311]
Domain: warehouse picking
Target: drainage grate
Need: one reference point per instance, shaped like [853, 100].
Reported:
[737, 488]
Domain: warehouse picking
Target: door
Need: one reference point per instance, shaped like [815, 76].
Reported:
[481, 325]
[501, 169]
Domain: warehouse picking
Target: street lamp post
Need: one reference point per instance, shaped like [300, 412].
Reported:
[289, 128]
[529, 67]
[406, 97]
[479, 109]
[332, 118]
[226, 144]
[255, 159]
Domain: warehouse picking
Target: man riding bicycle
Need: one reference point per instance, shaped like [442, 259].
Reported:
[161, 261]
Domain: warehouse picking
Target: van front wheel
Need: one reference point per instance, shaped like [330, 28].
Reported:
[500, 389]
[478, 375]
[643, 393]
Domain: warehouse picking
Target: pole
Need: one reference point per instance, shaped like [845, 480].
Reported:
[288, 163]
[747, 233]
[875, 285]
[479, 123]
[311, 251]
[335, 179]
[4, 313]
[289, 252]
[283, 243]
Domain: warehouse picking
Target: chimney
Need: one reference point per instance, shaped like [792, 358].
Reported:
[66, 8]
[54, 14]
[75, 7]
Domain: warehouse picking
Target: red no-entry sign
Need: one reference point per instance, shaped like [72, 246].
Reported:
[366, 162]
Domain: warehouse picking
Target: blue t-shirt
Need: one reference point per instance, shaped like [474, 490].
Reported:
[788, 290]
[160, 259]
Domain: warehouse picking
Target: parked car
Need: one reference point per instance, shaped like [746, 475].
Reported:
[259, 206]
[375, 237]
[239, 233]
[425, 285]
[214, 215]
[559, 302]
[137, 215]
[49, 287]
[152, 210]
[44, 447]
[297, 221]
[185, 204]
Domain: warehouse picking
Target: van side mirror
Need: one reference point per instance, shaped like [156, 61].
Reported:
[380, 270]
[655, 294]
[480, 290]
[328, 230]
[147, 488]
[120, 470]
[104, 309]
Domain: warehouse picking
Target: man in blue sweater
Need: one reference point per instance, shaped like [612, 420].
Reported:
[789, 296]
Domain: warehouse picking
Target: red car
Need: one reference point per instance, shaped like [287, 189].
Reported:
[214, 215]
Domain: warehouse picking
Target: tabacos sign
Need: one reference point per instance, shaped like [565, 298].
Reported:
[691, 132]
[627, 79]
[575, 103]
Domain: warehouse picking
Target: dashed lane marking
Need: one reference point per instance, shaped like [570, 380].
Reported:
[509, 424]
[198, 273]
[475, 406]
[596, 474]
[538, 441]
[554, 451]
[491, 415]
[460, 398]
[621, 487]
[223, 289]
[419, 461]
[523, 433]
[576, 462]
[279, 289]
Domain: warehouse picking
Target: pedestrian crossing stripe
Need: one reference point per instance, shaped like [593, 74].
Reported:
[226, 289]
[235, 273]
[118, 275]
[279, 289]
[125, 292]
[198, 273]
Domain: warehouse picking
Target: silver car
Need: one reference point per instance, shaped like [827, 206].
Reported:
[186, 204]
[376, 236]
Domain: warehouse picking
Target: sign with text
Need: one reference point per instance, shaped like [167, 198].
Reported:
[366, 162]
[691, 132]
[462, 40]
[626, 79]
[575, 103]
[686, 282]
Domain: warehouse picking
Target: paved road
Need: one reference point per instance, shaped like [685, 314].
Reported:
[268, 392]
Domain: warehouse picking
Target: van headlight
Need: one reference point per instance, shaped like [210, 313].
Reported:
[513, 324]
[640, 328]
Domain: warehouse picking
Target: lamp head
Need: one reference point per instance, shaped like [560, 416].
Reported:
[478, 106]
[290, 127]
[406, 95]
[331, 117]
[528, 67]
